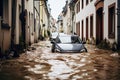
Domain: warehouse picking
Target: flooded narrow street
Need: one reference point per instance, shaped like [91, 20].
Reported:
[40, 64]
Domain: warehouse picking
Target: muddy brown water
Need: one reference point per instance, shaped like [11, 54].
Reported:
[41, 64]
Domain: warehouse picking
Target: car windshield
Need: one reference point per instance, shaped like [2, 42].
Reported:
[69, 39]
[54, 34]
[65, 39]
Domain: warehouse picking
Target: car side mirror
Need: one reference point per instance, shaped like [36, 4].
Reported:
[53, 42]
[84, 42]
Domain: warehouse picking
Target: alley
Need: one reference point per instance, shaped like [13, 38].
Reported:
[38, 63]
[27, 22]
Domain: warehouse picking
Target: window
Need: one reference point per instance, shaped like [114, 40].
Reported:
[91, 26]
[87, 28]
[82, 30]
[111, 21]
[78, 7]
[78, 28]
[87, 1]
[82, 4]
[91, 0]
[1, 7]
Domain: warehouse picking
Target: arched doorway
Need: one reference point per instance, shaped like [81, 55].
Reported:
[99, 20]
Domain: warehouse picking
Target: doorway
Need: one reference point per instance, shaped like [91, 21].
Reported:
[1, 8]
[99, 25]
[1, 17]
[87, 31]
[13, 23]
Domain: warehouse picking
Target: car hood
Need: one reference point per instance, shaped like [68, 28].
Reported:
[70, 47]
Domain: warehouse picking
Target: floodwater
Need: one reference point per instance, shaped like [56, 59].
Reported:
[41, 64]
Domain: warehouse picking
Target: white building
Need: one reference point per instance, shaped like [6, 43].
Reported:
[36, 20]
[44, 17]
[85, 14]
[96, 18]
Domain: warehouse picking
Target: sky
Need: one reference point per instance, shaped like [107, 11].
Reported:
[56, 7]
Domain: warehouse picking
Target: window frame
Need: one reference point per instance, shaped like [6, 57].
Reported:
[82, 4]
[82, 25]
[87, 2]
[91, 25]
[78, 28]
[78, 7]
[87, 27]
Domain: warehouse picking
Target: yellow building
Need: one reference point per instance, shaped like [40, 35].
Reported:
[44, 17]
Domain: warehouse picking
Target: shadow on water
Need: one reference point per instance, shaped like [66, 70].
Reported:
[10, 76]
[11, 70]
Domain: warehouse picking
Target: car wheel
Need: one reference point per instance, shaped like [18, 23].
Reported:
[86, 50]
[53, 49]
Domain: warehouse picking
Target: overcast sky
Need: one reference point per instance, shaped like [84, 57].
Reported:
[56, 7]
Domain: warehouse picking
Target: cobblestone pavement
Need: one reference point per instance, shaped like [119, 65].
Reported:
[38, 63]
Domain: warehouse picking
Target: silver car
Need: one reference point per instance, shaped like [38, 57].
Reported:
[71, 43]
[55, 34]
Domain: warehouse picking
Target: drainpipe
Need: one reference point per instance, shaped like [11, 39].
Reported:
[118, 22]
